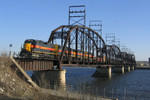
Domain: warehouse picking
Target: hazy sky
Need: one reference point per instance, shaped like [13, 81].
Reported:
[35, 19]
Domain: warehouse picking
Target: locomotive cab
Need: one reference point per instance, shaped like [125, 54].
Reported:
[27, 48]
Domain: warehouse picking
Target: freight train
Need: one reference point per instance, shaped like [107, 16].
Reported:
[44, 50]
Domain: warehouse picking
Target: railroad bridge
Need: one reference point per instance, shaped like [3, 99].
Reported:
[74, 39]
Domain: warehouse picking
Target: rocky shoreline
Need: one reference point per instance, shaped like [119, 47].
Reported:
[15, 86]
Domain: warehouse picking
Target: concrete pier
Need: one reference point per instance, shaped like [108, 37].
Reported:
[53, 77]
[127, 68]
[132, 68]
[59, 75]
[119, 69]
[102, 71]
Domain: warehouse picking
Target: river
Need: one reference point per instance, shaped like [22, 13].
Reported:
[134, 85]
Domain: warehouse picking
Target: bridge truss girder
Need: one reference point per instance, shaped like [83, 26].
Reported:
[79, 39]
[116, 57]
[113, 54]
[82, 39]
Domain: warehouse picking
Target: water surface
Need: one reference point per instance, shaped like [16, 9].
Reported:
[132, 85]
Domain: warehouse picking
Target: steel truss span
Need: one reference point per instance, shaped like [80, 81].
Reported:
[86, 46]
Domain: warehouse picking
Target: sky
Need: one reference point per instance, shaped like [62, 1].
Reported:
[35, 19]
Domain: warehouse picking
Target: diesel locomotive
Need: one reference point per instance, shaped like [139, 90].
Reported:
[44, 50]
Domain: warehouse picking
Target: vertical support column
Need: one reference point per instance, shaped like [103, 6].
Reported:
[89, 47]
[132, 67]
[36, 67]
[52, 41]
[93, 50]
[119, 69]
[62, 37]
[127, 68]
[69, 49]
[44, 65]
[96, 55]
[32, 65]
[58, 76]
[83, 49]
[27, 65]
[86, 51]
[55, 77]
[77, 45]
[25, 68]
[58, 65]
[41, 66]
[102, 71]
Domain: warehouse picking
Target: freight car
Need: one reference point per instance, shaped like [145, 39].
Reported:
[44, 50]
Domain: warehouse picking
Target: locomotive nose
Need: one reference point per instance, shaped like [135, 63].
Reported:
[27, 47]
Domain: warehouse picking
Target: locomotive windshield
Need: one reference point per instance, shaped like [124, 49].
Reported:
[30, 41]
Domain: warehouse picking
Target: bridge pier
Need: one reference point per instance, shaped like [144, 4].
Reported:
[58, 76]
[119, 69]
[132, 67]
[102, 71]
[55, 77]
[127, 68]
